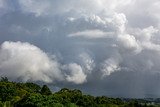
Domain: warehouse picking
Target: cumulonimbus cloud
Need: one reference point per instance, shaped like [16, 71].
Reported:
[89, 39]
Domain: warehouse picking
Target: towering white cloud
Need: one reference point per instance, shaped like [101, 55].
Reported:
[27, 62]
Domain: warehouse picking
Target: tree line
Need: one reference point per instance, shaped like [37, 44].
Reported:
[17, 94]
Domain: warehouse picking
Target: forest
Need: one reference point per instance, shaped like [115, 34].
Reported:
[18, 94]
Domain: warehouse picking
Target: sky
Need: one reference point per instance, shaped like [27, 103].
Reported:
[103, 47]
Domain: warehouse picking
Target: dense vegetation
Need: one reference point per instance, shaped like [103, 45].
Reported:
[14, 94]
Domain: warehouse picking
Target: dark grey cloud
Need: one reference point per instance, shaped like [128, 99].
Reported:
[102, 47]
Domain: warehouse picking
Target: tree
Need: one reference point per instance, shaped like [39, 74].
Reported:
[7, 91]
[33, 87]
[4, 79]
[45, 90]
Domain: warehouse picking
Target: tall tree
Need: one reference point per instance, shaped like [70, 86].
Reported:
[45, 90]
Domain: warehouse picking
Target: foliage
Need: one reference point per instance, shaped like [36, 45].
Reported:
[14, 94]
[4, 79]
[33, 87]
[45, 90]
[7, 91]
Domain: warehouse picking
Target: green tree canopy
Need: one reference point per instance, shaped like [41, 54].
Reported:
[45, 90]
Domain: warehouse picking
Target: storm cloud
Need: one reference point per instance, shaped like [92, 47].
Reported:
[104, 47]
